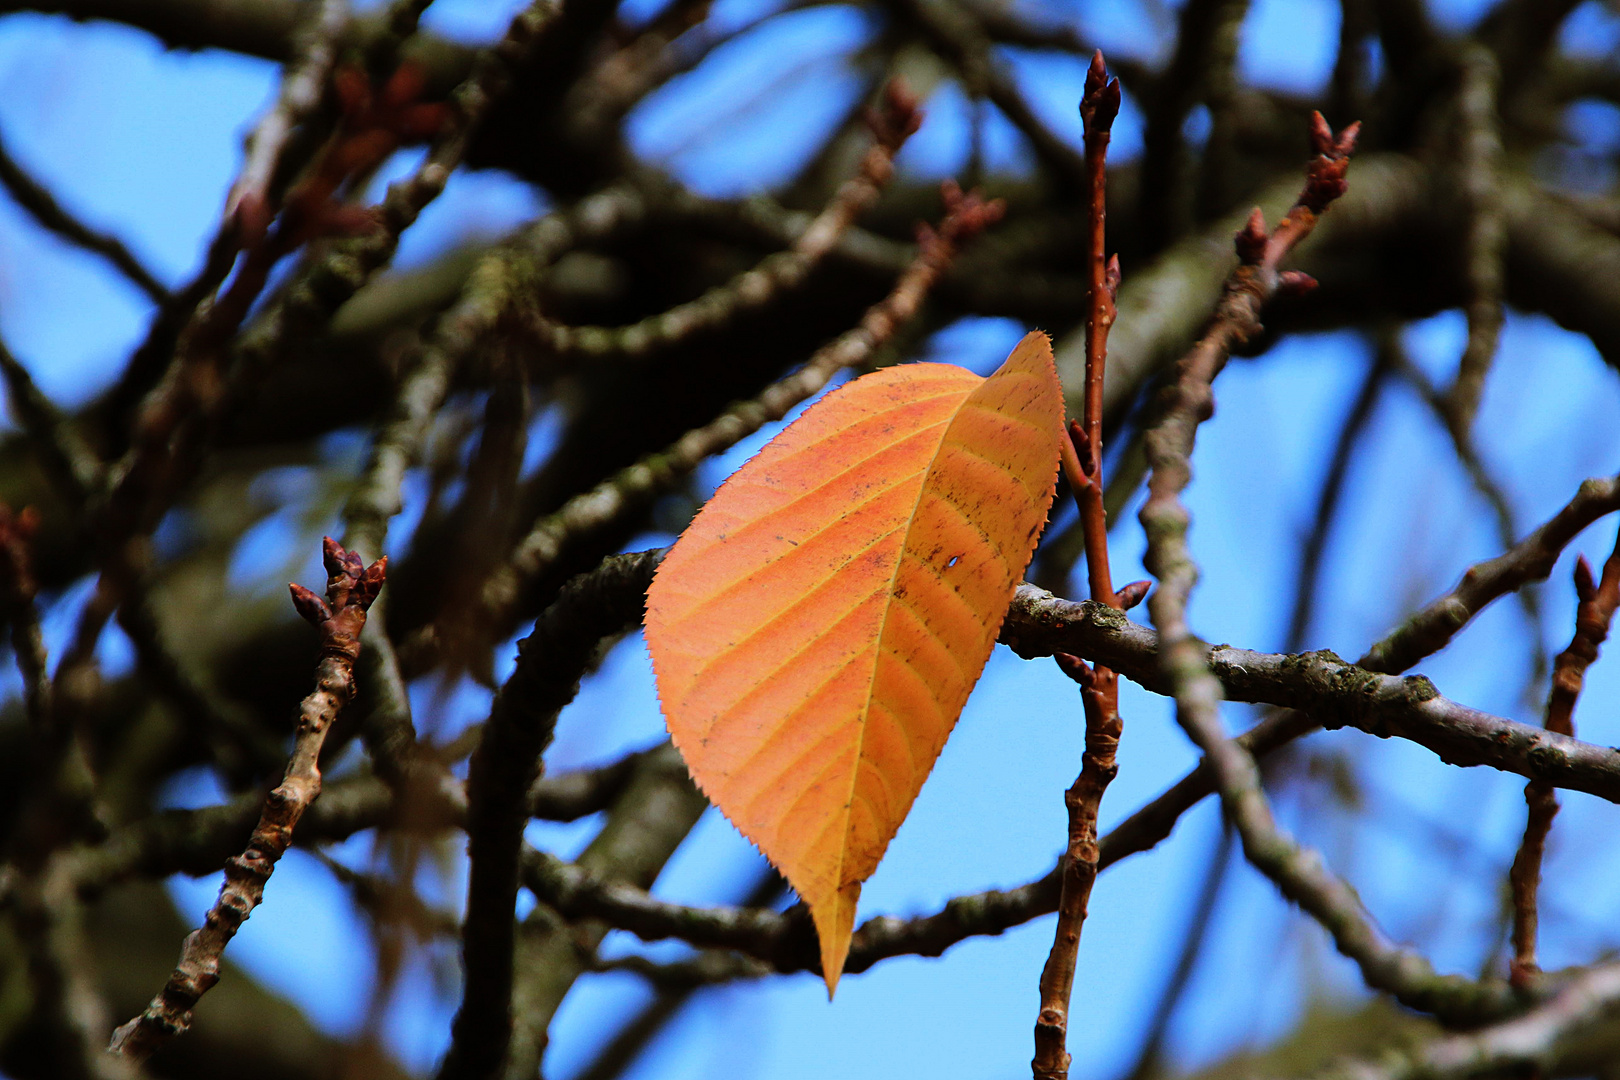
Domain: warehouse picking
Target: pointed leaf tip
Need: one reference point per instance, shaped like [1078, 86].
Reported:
[816, 631]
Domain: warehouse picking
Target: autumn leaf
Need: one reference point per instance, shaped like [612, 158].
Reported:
[816, 630]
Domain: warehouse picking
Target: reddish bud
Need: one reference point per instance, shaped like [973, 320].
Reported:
[1295, 283]
[1131, 595]
[1251, 239]
[1324, 176]
[1096, 73]
[310, 607]
[371, 582]
[1585, 586]
[1100, 103]
[1075, 668]
[1345, 144]
[340, 563]
[1111, 276]
[1321, 134]
[1081, 438]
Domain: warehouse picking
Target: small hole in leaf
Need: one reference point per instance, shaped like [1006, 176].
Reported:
[954, 560]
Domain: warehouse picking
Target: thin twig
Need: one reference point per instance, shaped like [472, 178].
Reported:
[1463, 444]
[37, 199]
[1149, 1059]
[68, 1013]
[648, 822]
[635, 486]
[1206, 46]
[1593, 616]
[758, 287]
[633, 1037]
[958, 34]
[350, 589]
[71, 464]
[1327, 502]
[1081, 455]
[1431, 628]
[303, 84]
[1336, 693]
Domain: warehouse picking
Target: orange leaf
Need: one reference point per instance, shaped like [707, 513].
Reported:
[816, 630]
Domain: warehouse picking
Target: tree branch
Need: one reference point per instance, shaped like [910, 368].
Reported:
[506, 764]
[1598, 601]
[350, 589]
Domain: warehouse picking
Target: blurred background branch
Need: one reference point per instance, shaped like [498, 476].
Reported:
[503, 292]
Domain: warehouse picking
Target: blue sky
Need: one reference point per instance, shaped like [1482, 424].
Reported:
[144, 143]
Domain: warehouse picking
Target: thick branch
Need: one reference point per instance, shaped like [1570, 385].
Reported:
[550, 664]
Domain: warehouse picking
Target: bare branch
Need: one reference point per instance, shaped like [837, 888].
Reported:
[350, 589]
[37, 199]
[506, 764]
[1598, 601]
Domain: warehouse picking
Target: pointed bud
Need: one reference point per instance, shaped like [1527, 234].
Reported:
[1295, 283]
[1321, 135]
[1131, 595]
[1081, 438]
[371, 582]
[310, 607]
[1111, 276]
[1099, 104]
[332, 556]
[1585, 586]
[1251, 239]
[1096, 73]
[1345, 144]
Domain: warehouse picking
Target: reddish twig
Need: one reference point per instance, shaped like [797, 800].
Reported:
[1593, 615]
[350, 589]
[1099, 687]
